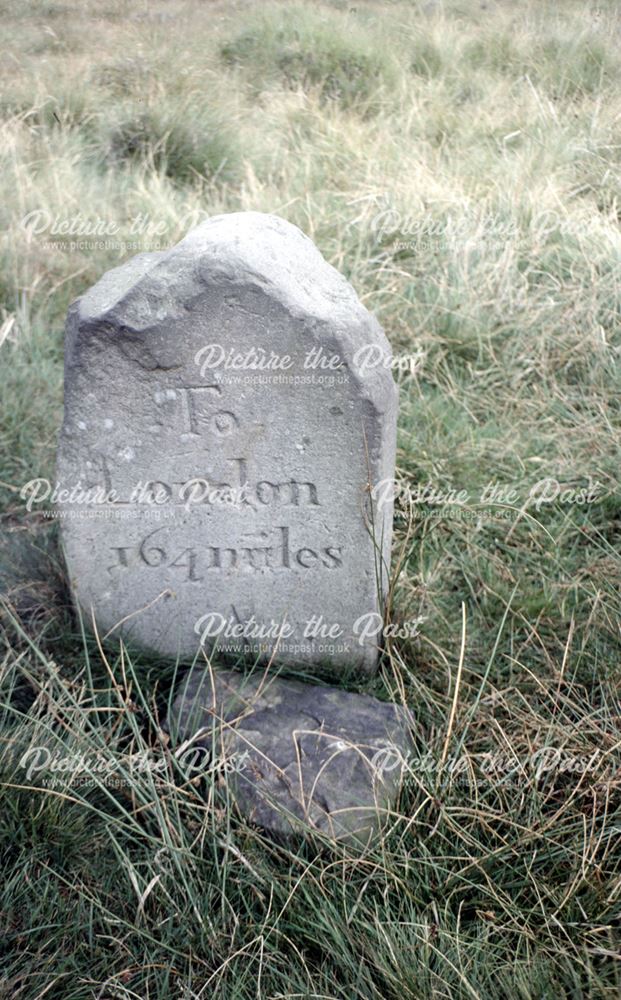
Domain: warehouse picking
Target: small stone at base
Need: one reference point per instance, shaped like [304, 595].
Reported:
[298, 758]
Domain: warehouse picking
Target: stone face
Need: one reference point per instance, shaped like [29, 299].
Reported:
[297, 757]
[227, 404]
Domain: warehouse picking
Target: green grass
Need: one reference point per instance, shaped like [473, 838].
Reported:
[461, 164]
[183, 143]
[305, 50]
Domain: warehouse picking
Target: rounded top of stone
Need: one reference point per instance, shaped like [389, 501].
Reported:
[242, 247]
[259, 245]
[246, 252]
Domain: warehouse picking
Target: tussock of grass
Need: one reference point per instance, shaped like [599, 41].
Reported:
[426, 58]
[315, 50]
[476, 211]
[123, 76]
[566, 64]
[183, 143]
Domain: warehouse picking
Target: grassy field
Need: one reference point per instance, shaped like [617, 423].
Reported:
[460, 162]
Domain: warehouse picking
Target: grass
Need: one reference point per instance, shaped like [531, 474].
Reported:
[180, 144]
[460, 163]
[326, 54]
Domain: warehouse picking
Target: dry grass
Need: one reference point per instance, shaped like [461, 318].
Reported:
[459, 161]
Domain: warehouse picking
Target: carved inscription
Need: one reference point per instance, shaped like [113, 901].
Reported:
[240, 489]
[279, 554]
[195, 399]
[243, 489]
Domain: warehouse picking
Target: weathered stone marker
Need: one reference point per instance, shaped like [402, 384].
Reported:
[228, 405]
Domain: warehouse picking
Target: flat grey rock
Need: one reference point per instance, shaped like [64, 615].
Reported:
[222, 496]
[298, 758]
